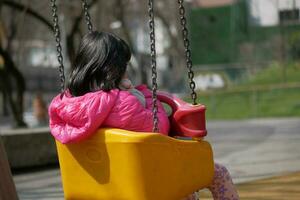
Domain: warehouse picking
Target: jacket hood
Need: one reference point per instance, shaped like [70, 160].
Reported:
[75, 118]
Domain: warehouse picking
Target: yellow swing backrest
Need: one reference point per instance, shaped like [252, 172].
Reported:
[116, 164]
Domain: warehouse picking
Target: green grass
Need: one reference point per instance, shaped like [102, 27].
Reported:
[241, 105]
[275, 74]
[266, 94]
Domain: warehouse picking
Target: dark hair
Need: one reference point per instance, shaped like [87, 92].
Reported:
[100, 63]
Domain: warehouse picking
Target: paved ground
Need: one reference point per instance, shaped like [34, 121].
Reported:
[256, 149]
[251, 149]
[276, 188]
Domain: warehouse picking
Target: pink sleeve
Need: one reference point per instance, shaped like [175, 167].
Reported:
[163, 121]
[72, 121]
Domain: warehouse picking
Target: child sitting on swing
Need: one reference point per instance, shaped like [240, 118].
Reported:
[99, 94]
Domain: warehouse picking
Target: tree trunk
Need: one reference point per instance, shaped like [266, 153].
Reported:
[7, 186]
[10, 71]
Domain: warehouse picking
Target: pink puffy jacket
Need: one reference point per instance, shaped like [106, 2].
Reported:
[75, 118]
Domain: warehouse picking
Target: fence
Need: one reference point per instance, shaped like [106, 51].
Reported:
[252, 90]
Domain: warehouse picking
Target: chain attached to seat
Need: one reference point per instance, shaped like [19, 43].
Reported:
[87, 15]
[58, 45]
[188, 54]
[153, 64]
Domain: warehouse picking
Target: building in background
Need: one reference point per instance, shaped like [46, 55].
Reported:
[215, 29]
[274, 12]
[224, 31]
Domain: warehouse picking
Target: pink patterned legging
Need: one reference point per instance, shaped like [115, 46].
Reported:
[222, 187]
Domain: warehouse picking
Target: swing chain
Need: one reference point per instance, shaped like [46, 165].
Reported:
[58, 45]
[153, 64]
[188, 54]
[87, 15]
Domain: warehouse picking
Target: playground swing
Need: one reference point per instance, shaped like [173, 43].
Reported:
[115, 164]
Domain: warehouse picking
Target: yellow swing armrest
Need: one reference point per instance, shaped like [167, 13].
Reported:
[115, 164]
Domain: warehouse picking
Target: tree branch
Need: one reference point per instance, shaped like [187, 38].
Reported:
[29, 11]
[74, 30]
[10, 70]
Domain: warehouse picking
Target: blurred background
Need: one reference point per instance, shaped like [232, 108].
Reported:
[245, 52]
[246, 60]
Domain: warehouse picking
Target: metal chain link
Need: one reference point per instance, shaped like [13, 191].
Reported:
[87, 15]
[58, 45]
[188, 54]
[153, 64]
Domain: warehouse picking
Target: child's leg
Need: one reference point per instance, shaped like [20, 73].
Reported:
[222, 186]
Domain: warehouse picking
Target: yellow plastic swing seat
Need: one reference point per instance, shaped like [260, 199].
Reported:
[115, 164]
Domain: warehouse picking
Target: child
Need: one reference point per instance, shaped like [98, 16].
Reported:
[100, 95]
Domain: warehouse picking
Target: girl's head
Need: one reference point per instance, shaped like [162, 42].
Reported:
[100, 63]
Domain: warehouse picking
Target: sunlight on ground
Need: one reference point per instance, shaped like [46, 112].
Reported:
[277, 188]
